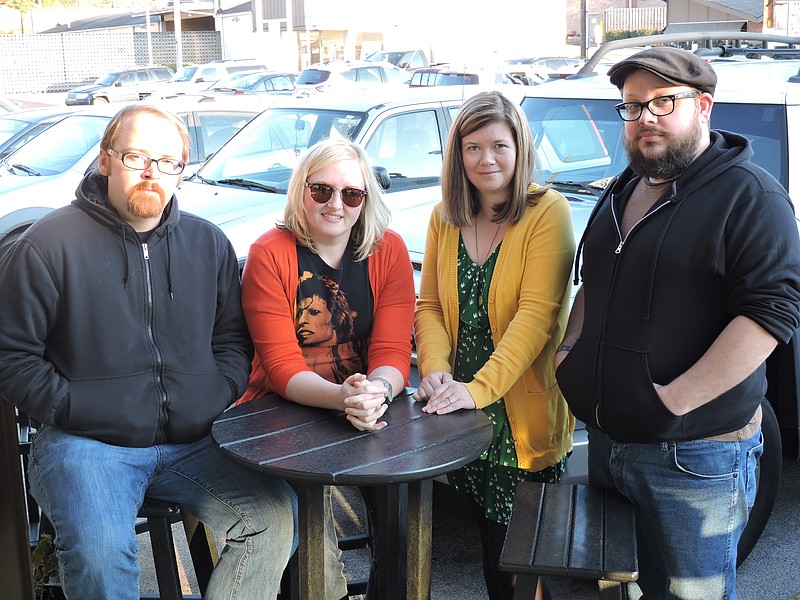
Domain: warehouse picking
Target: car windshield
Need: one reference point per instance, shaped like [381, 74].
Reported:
[107, 79]
[8, 127]
[185, 74]
[266, 150]
[579, 141]
[59, 147]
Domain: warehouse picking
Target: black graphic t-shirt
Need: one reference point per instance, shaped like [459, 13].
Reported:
[333, 320]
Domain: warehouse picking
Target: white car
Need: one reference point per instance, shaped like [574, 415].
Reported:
[43, 174]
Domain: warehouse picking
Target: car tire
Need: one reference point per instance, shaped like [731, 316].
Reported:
[769, 475]
[99, 100]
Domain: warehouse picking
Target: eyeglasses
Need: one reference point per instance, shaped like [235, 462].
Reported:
[659, 107]
[140, 162]
[322, 192]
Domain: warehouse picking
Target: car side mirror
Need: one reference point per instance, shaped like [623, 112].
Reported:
[382, 175]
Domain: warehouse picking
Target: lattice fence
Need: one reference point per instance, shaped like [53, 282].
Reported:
[59, 61]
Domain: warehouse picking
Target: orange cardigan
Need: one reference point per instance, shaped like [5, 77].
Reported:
[269, 294]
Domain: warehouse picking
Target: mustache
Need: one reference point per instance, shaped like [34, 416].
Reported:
[149, 186]
[649, 131]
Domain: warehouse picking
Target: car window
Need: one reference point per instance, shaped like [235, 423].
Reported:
[127, 79]
[143, 76]
[765, 126]
[162, 74]
[412, 60]
[185, 74]
[267, 149]
[313, 76]
[108, 78]
[396, 75]
[368, 75]
[580, 140]
[8, 127]
[576, 140]
[281, 83]
[218, 128]
[59, 147]
[208, 74]
[408, 147]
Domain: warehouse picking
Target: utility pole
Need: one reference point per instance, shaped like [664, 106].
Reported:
[584, 30]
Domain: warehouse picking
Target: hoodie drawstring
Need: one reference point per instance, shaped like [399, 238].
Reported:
[127, 276]
[169, 268]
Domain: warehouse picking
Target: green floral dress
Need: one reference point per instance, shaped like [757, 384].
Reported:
[490, 480]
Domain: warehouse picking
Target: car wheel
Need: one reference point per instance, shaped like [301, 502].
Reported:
[99, 100]
[768, 474]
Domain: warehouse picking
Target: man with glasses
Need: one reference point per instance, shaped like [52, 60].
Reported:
[122, 333]
[691, 277]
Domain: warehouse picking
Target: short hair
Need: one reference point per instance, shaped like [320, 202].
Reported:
[374, 218]
[133, 110]
[460, 200]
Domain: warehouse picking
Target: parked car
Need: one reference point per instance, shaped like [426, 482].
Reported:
[193, 78]
[255, 83]
[348, 76]
[405, 59]
[243, 187]
[119, 86]
[7, 105]
[447, 74]
[44, 173]
[20, 126]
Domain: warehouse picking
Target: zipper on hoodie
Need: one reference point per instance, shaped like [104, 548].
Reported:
[617, 251]
[149, 325]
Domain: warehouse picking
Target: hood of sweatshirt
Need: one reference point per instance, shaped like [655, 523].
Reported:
[91, 196]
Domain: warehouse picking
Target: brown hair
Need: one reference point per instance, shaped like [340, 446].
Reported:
[460, 200]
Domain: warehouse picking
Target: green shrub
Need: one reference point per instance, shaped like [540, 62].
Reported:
[622, 34]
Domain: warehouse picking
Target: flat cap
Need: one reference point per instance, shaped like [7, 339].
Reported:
[674, 65]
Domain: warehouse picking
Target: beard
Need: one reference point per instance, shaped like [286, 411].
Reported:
[142, 204]
[672, 161]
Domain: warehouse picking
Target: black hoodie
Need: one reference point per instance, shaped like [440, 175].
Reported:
[106, 337]
[721, 242]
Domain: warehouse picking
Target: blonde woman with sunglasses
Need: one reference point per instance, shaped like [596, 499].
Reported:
[329, 300]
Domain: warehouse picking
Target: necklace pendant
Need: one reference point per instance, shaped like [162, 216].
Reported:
[480, 298]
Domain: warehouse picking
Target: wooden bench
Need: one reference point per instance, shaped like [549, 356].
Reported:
[570, 531]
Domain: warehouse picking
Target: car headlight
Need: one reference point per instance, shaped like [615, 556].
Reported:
[80, 95]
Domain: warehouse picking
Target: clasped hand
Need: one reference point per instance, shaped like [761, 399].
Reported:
[443, 394]
[365, 402]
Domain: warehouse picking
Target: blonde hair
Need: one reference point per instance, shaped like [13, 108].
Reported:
[374, 218]
[133, 110]
[460, 200]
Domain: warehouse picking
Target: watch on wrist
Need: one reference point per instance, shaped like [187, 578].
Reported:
[389, 394]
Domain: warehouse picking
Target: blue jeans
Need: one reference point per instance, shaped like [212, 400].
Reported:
[691, 499]
[91, 492]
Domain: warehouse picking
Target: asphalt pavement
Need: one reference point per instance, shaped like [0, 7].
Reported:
[771, 572]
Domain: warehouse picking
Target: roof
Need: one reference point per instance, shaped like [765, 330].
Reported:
[752, 10]
[106, 21]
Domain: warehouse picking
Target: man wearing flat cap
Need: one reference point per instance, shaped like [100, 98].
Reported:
[690, 278]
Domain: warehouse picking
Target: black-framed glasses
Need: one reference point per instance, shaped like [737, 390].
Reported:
[659, 107]
[322, 193]
[140, 162]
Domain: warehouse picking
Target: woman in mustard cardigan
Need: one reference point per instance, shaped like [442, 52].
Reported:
[492, 309]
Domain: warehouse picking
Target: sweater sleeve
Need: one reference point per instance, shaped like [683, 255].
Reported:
[763, 263]
[269, 285]
[392, 280]
[28, 313]
[545, 261]
[430, 326]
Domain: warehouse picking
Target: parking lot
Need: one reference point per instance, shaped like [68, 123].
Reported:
[771, 572]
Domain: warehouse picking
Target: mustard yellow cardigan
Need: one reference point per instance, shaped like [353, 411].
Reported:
[528, 305]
